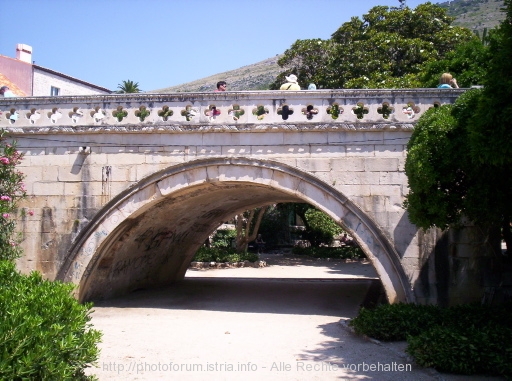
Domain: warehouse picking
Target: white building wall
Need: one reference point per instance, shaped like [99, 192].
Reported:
[43, 82]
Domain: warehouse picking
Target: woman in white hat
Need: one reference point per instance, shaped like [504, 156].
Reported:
[291, 83]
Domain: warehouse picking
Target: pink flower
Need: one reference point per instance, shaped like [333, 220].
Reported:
[6, 215]
[4, 160]
[31, 212]
[5, 198]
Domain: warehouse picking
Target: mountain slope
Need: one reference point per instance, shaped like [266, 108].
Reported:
[472, 14]
[475, 14]
[257, 76]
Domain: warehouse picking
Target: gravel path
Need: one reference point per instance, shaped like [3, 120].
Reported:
[281, 322]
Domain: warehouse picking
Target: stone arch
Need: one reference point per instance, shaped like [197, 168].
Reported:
[147, 235]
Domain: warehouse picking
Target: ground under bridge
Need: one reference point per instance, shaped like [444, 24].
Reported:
[123, 189]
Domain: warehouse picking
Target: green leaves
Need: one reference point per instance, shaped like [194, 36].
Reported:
[12, 190]
[222, 255]
[45, 333]
[465, 339]
[386, 49]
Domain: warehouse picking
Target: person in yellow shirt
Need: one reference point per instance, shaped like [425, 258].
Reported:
[291, 83]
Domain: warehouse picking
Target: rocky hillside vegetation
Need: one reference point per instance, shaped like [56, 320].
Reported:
[257, 76]
[472, 14]
[475, 14]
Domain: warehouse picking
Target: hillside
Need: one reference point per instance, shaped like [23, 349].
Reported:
[472, 14]
[257, 76]
[475, 14]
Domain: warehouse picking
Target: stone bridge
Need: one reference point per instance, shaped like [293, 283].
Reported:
[123, 189]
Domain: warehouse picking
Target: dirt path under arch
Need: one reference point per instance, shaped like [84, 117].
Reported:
[281, 322]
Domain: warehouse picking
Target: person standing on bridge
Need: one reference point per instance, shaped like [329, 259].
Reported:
[221, 86]
[6, 93]
[447, 82]
[291, 83]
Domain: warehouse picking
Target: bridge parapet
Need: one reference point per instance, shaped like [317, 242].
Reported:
[246, 111]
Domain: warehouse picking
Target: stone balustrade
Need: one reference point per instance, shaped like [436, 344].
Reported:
[246, 110]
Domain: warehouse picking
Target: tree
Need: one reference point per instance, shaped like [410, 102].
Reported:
[12, 190]
[247, 225]
[128, 87]
[468, 62]
[387, 48]
[459, 160]
[319, 227]
[438, 166]
[490, 130]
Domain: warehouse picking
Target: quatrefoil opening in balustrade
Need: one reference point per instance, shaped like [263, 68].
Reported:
[189, 113]
[212, 111]
[33, 115]
[142, 113]
[435, 105]
[76, 114]
[385, 110]
[236, 112]
[360, 111]
[120, 113]
[98, 114]
[260, 112]
[165, 113]
[285, 111]
[410, 110]
[54, 115]
[335, 111]
[12, 115]
[309, 111]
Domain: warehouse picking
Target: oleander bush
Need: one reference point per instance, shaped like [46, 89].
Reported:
[464, 339]
[45, 332]
[341, 252]
[12, 190]
[222, 254]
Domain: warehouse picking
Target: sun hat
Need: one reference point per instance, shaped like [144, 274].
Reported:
[291, 78]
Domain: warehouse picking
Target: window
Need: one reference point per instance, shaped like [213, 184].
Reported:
[54, 91]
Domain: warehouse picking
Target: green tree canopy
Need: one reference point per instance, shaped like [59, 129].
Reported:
[387, 48]
[459, 160]
[468, 61]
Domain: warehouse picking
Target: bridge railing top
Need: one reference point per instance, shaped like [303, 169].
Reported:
[247, 110]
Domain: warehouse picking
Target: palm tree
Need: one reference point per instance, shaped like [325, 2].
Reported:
[128, 87]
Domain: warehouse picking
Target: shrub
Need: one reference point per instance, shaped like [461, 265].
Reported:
[467, 339]
[217, 254]
[396, 321]
[44, 330]
[322, 228]
[464, 350]
[223, 238]
[341, 252]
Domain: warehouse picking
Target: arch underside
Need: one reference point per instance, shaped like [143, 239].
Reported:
[147, 235]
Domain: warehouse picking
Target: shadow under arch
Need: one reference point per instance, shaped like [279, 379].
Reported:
[147, 235]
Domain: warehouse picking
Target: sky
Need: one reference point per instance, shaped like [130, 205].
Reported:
[163, 43]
